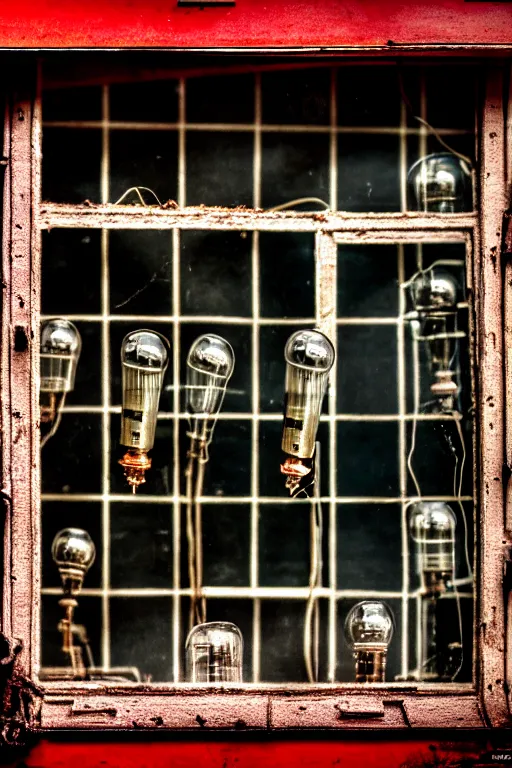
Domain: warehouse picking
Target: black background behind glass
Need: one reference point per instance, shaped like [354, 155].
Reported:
[216, 278]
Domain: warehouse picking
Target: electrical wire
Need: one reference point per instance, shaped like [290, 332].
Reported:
[427, 125]
[191, 544]
[459, 495]
[458, 476]
[312, 615]
[459, 615]
[58, 418]
[416, 408]
[299, 201]
[198, 526]
[137, 190]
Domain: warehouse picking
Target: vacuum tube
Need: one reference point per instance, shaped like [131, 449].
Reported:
[214, 653]
[210, 365]
[144, 359]
[309, 357]
[73, 552]
[434, 297]
[368, 629]
[440, 183]
[432, 527]
[60, 348]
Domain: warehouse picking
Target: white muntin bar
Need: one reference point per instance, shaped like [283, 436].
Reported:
[157, 499]
[117, 125]
[255, 385]
[176, 501]
[105, 384]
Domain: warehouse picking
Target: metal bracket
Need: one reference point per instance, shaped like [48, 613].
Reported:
[20, 698]
[360, 706]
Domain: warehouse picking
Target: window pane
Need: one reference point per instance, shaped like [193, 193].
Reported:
[344, 134]
[395, 438]
[213, 512]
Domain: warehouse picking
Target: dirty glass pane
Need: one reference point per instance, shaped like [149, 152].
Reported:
[339, 137]
[213, 533]
[399, 445]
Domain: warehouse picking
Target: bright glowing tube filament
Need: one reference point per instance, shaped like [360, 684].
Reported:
[73, 552]
[368, 630]
[60, 348]
[434, 298]
[432, 527]
[210, 364]
[440, 183]
[214, 653]
[144, 359]
[309, 357]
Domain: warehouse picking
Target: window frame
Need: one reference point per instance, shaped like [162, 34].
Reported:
[250, 706]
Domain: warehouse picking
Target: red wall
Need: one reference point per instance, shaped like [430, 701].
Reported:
[289, 23]
[269, 754]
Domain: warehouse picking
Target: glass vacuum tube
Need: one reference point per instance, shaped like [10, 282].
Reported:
[73, 552]
[432, 526]
[210, 364]
[368, 629]
[214, 653]
[60, 349]
[309, 357]
[440, 183]
[144, 359]
[434, 297]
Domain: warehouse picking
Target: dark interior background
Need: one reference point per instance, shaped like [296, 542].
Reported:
[215, 273]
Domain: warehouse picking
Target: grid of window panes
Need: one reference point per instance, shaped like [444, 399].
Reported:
[342, 134]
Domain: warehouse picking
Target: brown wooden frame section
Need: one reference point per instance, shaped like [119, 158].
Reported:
[343, 706]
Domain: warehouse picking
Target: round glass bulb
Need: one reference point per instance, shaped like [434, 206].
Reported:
[440, 183]
[369, 624]
[434, 290]
[210, 364]
[145, 349]
[60, 349]
[432, 527]
[310, 349]
[214, 653]
[432, 522]
[73, 551]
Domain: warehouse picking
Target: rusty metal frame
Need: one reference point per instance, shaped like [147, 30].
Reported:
[18, 382]
[162, 217]
[261, 707]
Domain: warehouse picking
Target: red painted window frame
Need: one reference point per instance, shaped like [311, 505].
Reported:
[345, 707]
